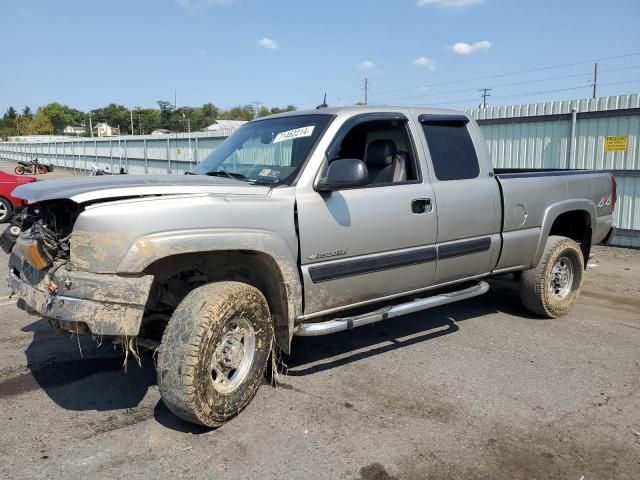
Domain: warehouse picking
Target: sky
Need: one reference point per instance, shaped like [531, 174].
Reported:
[87, 54]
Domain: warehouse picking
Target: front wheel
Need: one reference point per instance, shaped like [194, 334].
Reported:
[19, 170]
[214, 352]
[42, 169]
[552, 288]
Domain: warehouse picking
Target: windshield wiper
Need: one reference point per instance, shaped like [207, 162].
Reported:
[223, 173]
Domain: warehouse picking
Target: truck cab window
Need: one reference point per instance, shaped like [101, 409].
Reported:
[385, 147]
[452, 152]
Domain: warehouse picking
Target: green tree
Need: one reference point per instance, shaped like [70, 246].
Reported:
[62, 115]
[8, 123]
[26, 111]
[38, 124]
[240, 112]
[146, 120]
[10, 114]
[166, 110]
[113, 115]
[288, 108]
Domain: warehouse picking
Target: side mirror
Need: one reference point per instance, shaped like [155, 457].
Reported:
[342, 174]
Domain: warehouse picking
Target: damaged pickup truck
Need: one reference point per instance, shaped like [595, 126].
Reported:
[305, 223]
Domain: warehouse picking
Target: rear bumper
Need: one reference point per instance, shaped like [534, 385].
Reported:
[109, 305]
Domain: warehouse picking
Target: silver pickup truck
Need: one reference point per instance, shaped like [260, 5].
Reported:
[305, 223]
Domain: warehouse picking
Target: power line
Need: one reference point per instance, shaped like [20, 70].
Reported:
[496, 75]
[485, 94]
[511, 84]
[473, 89]
[528, 94]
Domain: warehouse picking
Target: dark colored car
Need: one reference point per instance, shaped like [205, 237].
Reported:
[8, 203]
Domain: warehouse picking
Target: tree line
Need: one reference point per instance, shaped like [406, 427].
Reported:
[52, 119]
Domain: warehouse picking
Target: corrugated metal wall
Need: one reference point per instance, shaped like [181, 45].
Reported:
[539, 136]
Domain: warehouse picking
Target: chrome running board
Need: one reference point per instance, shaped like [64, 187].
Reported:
[347, 323]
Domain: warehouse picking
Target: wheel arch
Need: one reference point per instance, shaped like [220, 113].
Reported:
[264, 263]
[572, 219]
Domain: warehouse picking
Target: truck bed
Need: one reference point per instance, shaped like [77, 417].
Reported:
[533, 198]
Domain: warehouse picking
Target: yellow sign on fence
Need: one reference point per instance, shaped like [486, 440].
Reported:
[615, 144]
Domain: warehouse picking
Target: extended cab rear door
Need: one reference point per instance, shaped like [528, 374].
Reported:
[467, 195]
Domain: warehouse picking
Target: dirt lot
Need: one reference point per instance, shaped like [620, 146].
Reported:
[478, 389]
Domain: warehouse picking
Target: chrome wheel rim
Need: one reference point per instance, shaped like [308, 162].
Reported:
[233, 355]
[562, 278]
[4, 211]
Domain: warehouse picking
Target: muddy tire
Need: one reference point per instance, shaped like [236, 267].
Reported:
[19, 170]
[214, 352]
[551, 289]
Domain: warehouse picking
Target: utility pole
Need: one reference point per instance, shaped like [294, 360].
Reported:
[90, 125]
[595, 79]
[366, 91]
[257, 104]
[131, 113]
[485, 94]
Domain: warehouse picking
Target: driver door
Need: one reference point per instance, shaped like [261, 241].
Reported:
[366, 244]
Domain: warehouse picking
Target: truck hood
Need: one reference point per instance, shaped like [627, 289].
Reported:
[88, 189]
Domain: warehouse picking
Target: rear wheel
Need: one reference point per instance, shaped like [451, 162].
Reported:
[6, 209]
[42, 169]
[214, 352]
[19, 170]
[552, 288]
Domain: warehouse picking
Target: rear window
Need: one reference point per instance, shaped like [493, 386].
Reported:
[452, 152]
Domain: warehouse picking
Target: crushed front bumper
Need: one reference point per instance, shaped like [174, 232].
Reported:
[110, 305]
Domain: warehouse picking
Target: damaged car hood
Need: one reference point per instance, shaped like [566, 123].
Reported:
[87, 189]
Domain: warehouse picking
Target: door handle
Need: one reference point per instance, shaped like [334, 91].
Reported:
[421, 205]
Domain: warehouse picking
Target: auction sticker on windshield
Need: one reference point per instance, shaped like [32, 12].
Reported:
[295, 133]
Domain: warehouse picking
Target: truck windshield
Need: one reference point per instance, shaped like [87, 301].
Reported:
[266, 152]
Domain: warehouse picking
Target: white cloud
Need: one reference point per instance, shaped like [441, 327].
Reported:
[268, 43]
[425, 62]
[366, 66]
[462, 48]
[449, 3]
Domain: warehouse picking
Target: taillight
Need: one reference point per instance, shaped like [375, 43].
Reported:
[614, 192]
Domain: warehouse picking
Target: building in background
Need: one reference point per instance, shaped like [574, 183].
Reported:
[70, 130]
[219, 125]
[104, 130]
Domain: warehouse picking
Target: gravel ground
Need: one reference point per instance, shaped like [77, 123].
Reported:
[478, 389]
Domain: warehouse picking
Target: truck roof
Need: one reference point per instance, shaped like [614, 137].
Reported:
[358, 109]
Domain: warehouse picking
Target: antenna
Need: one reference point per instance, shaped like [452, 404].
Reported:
[324, 102]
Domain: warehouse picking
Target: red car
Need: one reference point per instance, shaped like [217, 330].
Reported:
[9, 203]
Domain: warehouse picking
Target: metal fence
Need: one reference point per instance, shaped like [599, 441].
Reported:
[601, 133]
[139, 154]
